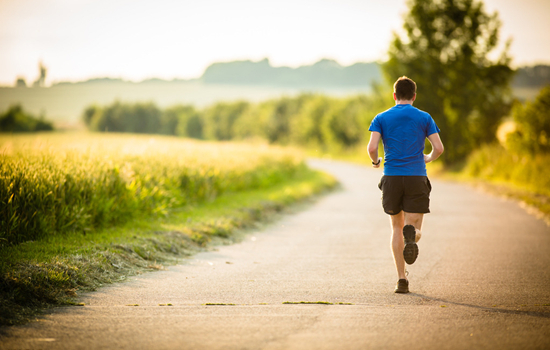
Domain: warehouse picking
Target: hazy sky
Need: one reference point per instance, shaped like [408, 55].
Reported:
[136, 39]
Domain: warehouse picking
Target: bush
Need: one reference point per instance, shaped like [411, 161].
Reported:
[141, 118]
[220, 118]
[523, 170]
[305, 127]
[532, 121]
[190, 122]
[16, 120]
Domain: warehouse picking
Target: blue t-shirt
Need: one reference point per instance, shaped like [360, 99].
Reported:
[404, 129]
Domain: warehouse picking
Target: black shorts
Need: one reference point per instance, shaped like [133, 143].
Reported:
[407, 193]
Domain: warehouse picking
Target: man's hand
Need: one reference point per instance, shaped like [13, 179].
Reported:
[437, 148]
[377, 165]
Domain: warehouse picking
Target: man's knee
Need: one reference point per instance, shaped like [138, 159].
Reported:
[414, 219]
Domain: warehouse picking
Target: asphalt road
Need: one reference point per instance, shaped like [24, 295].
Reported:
[481, 281]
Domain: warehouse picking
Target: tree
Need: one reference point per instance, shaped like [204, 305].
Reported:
[190, 121]
[41, 81]
[143, 118]
[253, 122]
[20, 82]
[347, 122]
[17, 120]
[89, 113]
[445, 50]
[219, 119]
[278, 123]
[305, 127]
[532, 121]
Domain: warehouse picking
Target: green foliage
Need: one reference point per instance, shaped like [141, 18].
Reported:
[143, 118]
[521, 169]
[313, 120]
[305, 127]
[253, 123]
[80, 185]
[532, 122]
[16, 120]
[279, 115]
[182, 120]
[190, 122]
[220, 118]
[306, 119]
[445, 51]
[89, 114]
[347, 122]
[169, 122]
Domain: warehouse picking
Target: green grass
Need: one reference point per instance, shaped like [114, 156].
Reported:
[52, 271]
[519, 176]
[522, 170]
[315, 302]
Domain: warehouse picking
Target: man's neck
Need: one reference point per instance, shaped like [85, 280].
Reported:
[404, 102]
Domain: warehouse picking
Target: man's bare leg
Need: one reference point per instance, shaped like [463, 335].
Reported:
[412, 222]
[415, 219]
[397, 244]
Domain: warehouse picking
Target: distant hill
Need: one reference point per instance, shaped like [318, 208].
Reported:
[107, 80]
[325, 73]
[535, 76]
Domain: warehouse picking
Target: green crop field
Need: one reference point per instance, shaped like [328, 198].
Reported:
[51, 184]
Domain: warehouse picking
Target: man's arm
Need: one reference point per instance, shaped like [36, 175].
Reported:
[437, 148]
[373, 147]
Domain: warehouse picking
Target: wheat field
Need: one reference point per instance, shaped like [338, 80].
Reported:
[52, 184]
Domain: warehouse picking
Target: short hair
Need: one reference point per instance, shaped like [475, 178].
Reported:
[404, 88]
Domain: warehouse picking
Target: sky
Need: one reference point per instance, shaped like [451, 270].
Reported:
[137, 39]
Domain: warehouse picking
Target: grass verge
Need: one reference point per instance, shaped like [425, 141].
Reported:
[39, 274]
[518, 176]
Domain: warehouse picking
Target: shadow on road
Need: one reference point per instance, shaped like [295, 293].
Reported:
[540, 314]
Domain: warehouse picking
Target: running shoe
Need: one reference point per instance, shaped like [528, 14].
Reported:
[402, 286]
[410, 252]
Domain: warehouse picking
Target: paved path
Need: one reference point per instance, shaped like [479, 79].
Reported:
[481, 282]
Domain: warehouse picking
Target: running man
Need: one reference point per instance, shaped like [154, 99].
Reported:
[405, 185]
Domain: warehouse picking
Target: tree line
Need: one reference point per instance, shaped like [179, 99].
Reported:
[309, 120]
